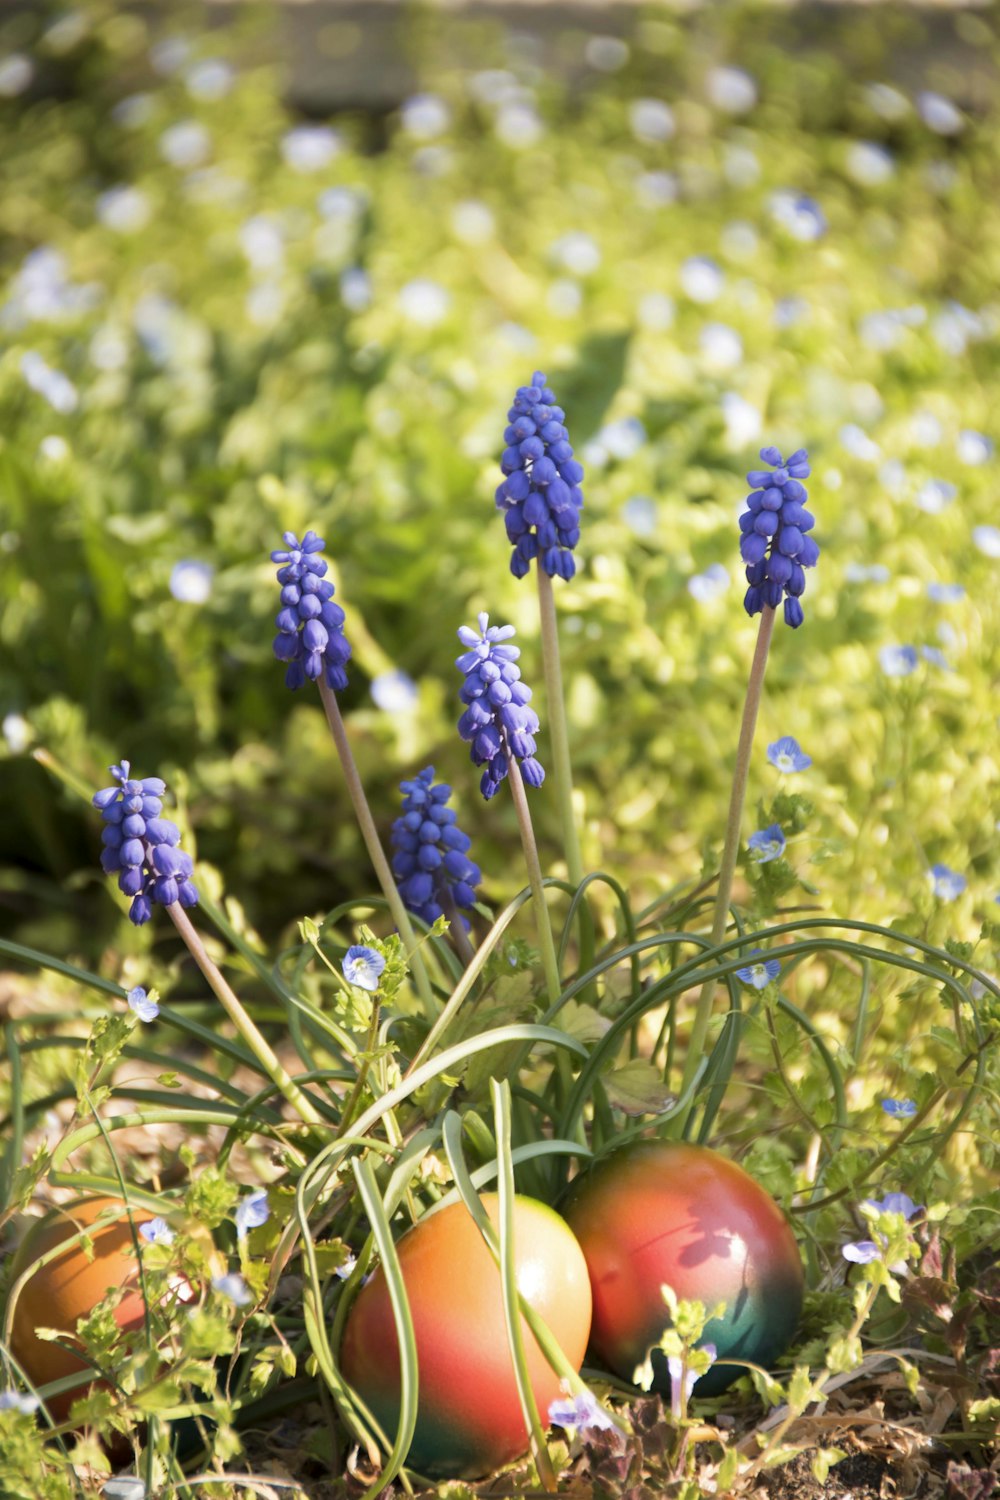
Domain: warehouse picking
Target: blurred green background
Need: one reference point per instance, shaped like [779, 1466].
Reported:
[265, 270]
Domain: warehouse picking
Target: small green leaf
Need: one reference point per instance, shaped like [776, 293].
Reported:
[636, 1088]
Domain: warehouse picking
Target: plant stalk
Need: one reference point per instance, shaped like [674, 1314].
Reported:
[558, 729]
[550, 963]
[374, 846]
[244, 1025]
[730, 850]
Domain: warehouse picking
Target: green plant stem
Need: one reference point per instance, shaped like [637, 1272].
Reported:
[549, 961]
[730, 849]
[244, 1025]
[374, 846]
[558, 731]
[355, 1094]
[456, 929]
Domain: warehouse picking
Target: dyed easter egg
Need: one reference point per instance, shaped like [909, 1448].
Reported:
[69, 1287]
[663, 1212]
[469, 1418]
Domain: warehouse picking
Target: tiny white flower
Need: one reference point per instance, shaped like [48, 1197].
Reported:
[731, 90]
[652, 121]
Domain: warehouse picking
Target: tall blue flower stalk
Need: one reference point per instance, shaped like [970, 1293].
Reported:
[431, 860]
[311, 640]
[497, 722]
[141, 847]
[540, 496]
[775, 545]
[776, 548]
[310, 626]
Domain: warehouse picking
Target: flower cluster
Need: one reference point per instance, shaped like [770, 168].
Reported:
[431, 860]
[311, 627]
[497, 720]
[141, 847]
[541, 496]
[775, 546]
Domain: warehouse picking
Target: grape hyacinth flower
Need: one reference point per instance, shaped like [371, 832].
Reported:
[430, 861]
[775, 545]
[541, 496]
[497, 721]
[311, 627]
[141, 847]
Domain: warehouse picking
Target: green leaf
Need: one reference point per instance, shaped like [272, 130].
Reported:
[636, 1088]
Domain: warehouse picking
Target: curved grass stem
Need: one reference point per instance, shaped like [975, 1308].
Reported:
[730, 848]
[550, 963]
[374, 846]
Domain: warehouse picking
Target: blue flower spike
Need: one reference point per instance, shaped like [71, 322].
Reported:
[540, 496]
[775, 544]
[431, 853]
[141, 848]
[762, 972]
[497, 721]
[363, 967]
[787, 756]
[766, 844]
[310, 626]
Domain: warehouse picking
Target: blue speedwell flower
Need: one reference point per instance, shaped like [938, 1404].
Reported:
[582, 1411]
[775, 545]
[946, 884]
[760, 973]
[234, 1287]
[157, 1232]
[785, 755]
[541, 496]
[766, 844]
[141, 848]
[900, 1109]
[310, 626]
[363, 967]
[497, 721]
[431, 859]
[139, 1002]
[251, 1213]
[863, 1252]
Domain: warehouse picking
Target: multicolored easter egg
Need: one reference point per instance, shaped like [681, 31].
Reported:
[663, 1212]
[69, 1287]
[469, 1418]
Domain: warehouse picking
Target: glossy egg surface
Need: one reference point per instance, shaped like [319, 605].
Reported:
[665, 1212]
[469, 1418]
[69, 1287]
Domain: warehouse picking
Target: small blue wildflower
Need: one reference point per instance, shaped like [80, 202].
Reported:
[684, 1379]
[140, 1003]
[311, 627]
[582, 1411]
[898, 661]
[431, 860]
[251, 1213]
[363, 967]
[15, 1401]
[141, 848]
[761, 973]
[766, 844]
[785, 755]
[345, 1270]
[945, 593]
[157, 1232]
[896, 1203]
[234, 1287]
[946, 884]
[861, 1252]
[775, 545]
[540, 496]
[497, 721]
[900, 1109]
[936, 657]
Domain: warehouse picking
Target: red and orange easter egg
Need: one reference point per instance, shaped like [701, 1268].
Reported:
[69, 1287]
[469, 1418]
[664, 1212]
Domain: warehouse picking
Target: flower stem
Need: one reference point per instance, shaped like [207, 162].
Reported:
[456, 928]
[244, 1025]
[730, 850]
[375, 852]
[352, 1102]
[549, 961]
[557, 724]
